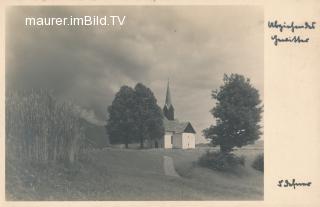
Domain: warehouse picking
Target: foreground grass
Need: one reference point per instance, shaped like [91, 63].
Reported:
[117, 174]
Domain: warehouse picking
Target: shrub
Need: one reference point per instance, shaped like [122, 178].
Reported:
[41, 129]
[221, 161]
[258, 163]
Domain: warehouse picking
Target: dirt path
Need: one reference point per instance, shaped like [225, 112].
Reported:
[168, 166]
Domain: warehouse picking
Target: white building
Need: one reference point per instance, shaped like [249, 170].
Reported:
[177, 134]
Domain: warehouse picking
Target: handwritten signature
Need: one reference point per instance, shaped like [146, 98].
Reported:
[293, 184]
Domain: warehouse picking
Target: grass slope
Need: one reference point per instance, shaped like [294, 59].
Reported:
[118, 174]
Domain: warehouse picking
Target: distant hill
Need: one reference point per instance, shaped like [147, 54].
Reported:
[96, 136]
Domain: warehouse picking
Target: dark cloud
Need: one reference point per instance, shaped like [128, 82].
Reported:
[193, 46]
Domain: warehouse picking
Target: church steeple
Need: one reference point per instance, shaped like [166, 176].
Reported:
[168, 109]
[168, 96]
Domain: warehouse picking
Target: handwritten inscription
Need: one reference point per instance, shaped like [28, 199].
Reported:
[292, 27]
[295, 39]
[293, 184]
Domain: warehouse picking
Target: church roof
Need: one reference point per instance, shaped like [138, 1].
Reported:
[177, 126]
[168, 102]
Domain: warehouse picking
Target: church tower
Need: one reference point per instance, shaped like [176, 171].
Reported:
[168, 109]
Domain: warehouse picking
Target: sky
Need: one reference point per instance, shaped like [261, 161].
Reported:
[191, 46]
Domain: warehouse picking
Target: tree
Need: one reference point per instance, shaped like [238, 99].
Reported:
[134, 116]
[237, 112]
[121, 126]
[149, 117]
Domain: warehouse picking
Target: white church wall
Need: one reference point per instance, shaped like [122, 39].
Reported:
[167, 140]
[177, 141]
[188, 140]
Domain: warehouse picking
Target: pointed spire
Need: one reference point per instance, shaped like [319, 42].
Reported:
[168, 109]
[168, 102]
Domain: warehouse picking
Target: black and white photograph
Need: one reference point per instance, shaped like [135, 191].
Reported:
[134, 103]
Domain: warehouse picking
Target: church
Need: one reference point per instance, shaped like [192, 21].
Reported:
[177, 134]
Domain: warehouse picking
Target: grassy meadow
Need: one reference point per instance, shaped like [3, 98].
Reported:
[132, 174]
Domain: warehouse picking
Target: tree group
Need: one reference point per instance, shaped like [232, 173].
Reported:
[134, 116]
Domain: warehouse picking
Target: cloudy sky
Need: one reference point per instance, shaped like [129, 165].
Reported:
[192, 46]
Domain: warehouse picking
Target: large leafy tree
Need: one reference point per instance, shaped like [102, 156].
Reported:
[238, 113]
[121, 125]
[134, 116]
[149, 117]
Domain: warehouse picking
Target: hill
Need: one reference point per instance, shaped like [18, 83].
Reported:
[96, 135]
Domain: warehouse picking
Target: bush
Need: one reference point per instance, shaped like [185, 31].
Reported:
[41, 129]
[258, 163]
[221, 161]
